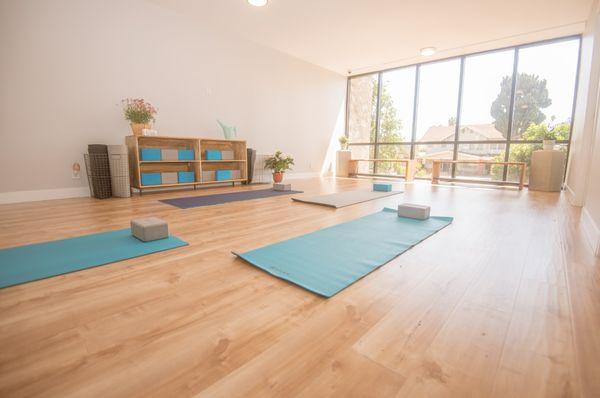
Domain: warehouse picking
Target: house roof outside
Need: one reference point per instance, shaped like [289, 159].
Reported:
[446, 133]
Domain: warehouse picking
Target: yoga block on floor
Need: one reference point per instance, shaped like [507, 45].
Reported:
[213, 154]
[282, 187]
[169, 154]
[409, 210]
[186, 154]
[223, 175]
[186, 176]
[149, 154]
[149, 229]
[151, 179]
[382, 187]
[227, 155]
[208, 176]
[169, 178]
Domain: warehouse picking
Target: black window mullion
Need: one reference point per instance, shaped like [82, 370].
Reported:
[413, 137]
[377, 120]
[458, 110]
[511, 110]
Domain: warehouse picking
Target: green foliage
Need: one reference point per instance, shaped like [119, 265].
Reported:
[522, 152]
[279, 163]
[530, 97]
[389, 126]
[137, 110]
[343, 141]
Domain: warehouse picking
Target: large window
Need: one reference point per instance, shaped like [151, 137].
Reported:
[498, 105]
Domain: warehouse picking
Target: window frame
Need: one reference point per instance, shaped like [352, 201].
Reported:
[508, 142]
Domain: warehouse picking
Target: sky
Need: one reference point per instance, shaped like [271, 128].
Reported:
[438, 85]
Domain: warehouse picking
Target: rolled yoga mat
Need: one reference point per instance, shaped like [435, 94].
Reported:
[44, 260]
[346, 198]
[209, 200]
[331, 259]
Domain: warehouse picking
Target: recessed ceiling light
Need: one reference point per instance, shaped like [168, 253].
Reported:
[257, 3]
[427, 51]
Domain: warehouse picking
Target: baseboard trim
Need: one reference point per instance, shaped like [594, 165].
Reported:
[572, 197]
[43, 194]
[591, 231]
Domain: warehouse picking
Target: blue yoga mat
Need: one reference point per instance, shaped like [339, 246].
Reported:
[217, 199]
[43, 260]
[331, 259]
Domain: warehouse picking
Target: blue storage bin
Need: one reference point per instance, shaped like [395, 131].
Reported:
[186, 154]
[151, 178]
[186, 176]
[382, 186]
[212, 154]
[150, 154]
[222, 175]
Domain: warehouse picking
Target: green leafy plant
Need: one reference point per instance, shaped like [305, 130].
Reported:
[279, 162]
[343, 141]
[137, 110]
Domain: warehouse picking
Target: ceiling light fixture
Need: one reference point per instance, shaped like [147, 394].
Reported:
[427, 51]
[257, 3]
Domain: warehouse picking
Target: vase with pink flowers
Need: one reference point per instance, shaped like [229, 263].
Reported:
[139, 113]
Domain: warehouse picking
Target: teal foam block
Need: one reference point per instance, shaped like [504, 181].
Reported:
[382, 187]
[331, 259]
[44, 260]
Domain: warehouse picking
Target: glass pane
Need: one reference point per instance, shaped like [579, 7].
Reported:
[393, 152]
[438, 100]
[396, 105]
[486, 95]
[545, 87]
[363, 152]
[480, 151]
[522, 153]
[362, 108]
[423, 155]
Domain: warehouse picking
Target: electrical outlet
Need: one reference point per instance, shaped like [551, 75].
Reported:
[76, 171]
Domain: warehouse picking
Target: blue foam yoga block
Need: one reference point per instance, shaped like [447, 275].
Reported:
[151, 179]
[382, 187]
[212, 154]
[186, 176]
[186, 154]
[223, 175]
[150, 154]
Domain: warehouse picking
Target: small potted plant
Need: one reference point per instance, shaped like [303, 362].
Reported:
[343, 142]
[139, 113]
[279, 163]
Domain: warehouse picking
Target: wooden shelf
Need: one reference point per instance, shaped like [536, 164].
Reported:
[168, 161]
[198, 145]
[217, 182]
[223, 161]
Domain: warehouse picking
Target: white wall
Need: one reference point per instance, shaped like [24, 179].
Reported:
[66, 64]
[583, 177]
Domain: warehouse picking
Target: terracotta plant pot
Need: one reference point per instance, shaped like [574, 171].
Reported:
[278, 177]
[137, 128]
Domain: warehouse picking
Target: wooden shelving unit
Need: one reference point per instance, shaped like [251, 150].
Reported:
[199, 145]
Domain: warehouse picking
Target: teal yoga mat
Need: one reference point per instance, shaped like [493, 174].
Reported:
[43, 260]
[331, 259]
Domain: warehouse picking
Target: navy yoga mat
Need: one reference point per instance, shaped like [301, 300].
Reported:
[209, 200]
[331, 259]
[44, 260]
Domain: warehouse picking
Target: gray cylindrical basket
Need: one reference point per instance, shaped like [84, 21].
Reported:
[98, 173]
[119, 171]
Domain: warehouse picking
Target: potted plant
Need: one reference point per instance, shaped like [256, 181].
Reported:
[343, 142]
[279, 163]
[139, 113]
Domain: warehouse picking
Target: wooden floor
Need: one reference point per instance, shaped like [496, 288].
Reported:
[503, 303]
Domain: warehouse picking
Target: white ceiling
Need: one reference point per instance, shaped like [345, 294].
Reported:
[365, 35]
